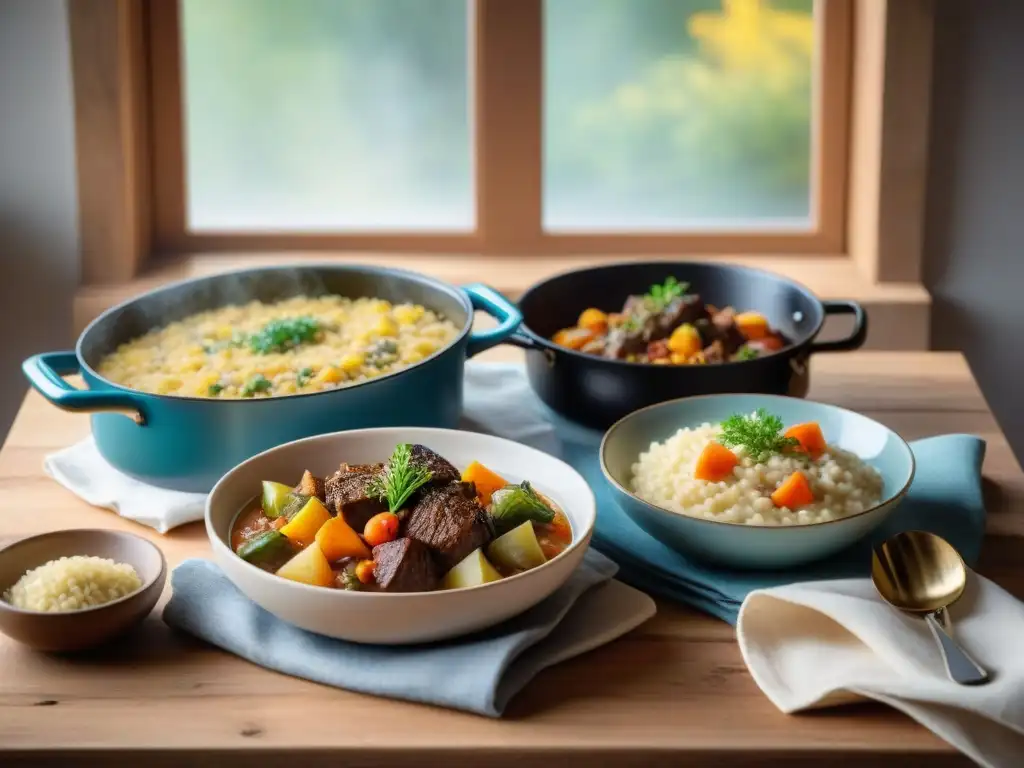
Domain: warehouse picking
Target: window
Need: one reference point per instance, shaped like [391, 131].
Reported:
[512, 127]
[675, 115]
[326, 115]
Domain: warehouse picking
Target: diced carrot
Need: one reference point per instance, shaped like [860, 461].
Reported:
[770, 343]
[809, 435]
[715, 463]
[685, 340]
[381, 528]
[753, 325]
[365, 571]
[486, 481]
[573, 338]
[593, 320]
[337, 539]
[794, 492]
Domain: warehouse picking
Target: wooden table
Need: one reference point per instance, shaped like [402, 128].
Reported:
[673, 692]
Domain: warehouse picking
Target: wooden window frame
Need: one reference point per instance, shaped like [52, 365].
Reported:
[871, 99]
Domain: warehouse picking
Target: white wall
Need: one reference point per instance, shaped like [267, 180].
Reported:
[975, 236]
[38, 219]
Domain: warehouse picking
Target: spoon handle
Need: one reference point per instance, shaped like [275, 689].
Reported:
[961, 667]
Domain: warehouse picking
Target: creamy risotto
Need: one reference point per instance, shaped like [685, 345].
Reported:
[793, 481]
[294, 346]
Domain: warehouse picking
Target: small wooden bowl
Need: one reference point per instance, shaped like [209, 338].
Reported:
[77, 630]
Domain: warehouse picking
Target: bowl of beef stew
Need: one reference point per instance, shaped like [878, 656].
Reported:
[603, 342]
[399, 535]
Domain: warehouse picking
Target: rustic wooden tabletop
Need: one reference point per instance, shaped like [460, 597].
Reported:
[672, 692]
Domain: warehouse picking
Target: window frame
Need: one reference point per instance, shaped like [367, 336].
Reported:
[125, 56]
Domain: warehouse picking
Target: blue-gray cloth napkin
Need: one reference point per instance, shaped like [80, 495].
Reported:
[478, 673]
[945, 498]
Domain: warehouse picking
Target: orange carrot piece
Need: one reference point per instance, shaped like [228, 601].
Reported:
[485, 480]
[753, 325]
[794, 492]
[573, 338]
[715, 463]
[594, 320]
[809, 435]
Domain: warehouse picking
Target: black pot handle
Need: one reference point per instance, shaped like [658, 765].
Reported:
[520, 339]
[860, 327]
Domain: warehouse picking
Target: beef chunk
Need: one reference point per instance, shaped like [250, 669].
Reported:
[442, 469]
[726, 330]
[721, 328]
[622, 342]
[311, 485]
[683, 309]
[404, 565]
[450, 521]
[346, 494]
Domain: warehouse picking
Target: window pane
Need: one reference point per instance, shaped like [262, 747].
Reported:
[327, 114]
[677, 114]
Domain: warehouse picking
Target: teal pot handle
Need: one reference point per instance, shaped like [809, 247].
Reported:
[488, 300]
[45, 371]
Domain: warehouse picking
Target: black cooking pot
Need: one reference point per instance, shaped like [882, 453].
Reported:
[597, 391]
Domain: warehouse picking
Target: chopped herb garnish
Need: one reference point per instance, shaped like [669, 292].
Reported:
[258, 383]
[304, 376]
[747, 353]
[284, 334]
[760, 434]
[400, 479]
[236, 340]
[349, 580]
[660, 296]
[214, 389]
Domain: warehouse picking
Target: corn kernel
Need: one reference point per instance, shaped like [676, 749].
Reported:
[425, 347]
[329, 375]
[387, 327]
[285, 388]
[168, 384]
[407, 314]
[352, 362]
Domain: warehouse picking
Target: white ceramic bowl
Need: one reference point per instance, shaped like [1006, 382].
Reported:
[399, 618]
[736, 545]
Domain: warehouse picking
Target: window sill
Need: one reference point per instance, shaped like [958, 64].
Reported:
[901, 309]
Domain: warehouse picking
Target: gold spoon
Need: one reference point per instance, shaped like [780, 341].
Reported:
[919, 572]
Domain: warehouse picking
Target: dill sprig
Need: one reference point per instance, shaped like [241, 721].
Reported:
[760, 434]
[399, 479]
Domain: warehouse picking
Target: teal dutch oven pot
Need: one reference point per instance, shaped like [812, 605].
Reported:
[188, 443]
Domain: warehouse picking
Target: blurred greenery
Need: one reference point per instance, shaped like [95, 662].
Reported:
[333, 114]
[673, 112]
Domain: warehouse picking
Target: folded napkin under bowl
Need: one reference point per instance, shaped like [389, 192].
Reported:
[399, 617]
[477, 673]
[734, 543]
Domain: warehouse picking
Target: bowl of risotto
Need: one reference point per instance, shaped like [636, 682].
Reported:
[755, 481]
[75, 589]
[191, 379]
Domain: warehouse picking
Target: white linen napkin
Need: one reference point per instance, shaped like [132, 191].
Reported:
[82, 470]
[819, 644]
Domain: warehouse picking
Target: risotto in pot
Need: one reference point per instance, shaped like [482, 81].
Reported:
[298, 345]
[751, 470]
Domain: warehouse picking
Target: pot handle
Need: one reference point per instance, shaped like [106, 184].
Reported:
[860, 327]
[44, 372]
[488, 300]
